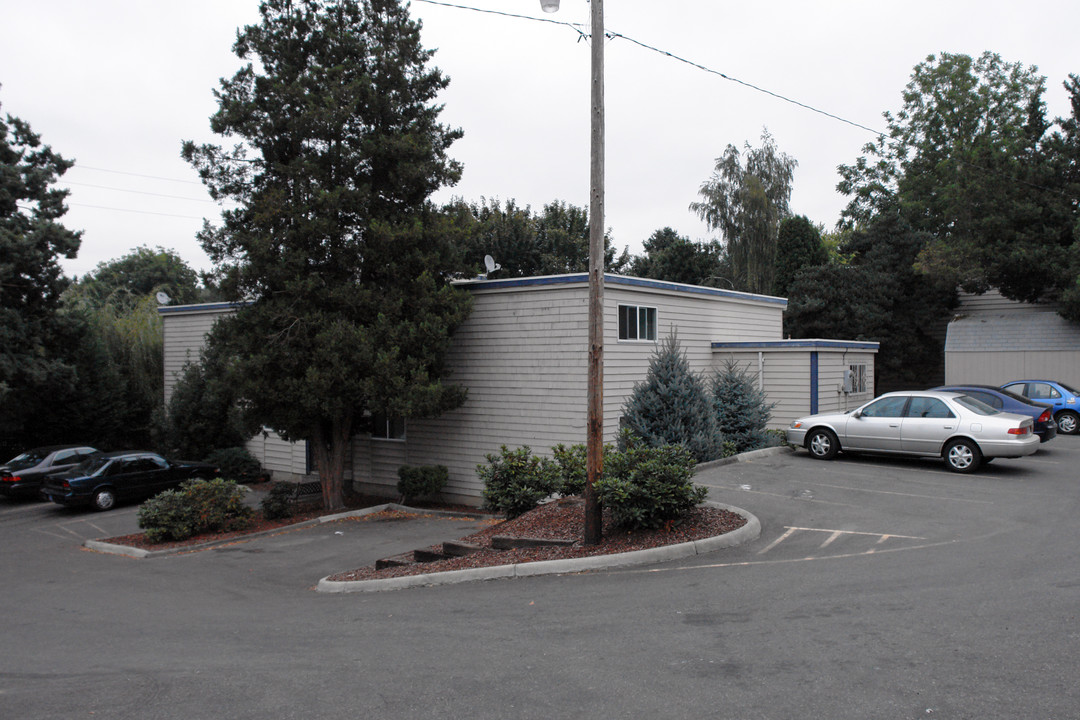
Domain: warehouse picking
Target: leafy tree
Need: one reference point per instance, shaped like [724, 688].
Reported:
[799, 245]
[968, 160]
[671, 406]
[333, 240]
[32, 239]
[878, 296]
[673, 257]
[745, 199]
[525, 244]
[742, 410]
[141, 273]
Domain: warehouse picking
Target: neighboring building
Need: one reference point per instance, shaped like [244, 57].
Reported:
[523, 355]
[992, 340]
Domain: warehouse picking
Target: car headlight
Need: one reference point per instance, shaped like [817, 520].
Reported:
[796, 424]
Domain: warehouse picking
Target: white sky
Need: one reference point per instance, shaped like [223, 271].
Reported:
[116, 85]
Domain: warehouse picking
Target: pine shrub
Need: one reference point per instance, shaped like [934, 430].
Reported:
[672, 407]
[740, 406]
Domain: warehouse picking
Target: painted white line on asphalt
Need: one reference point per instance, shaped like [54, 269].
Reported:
[893, 492]
[777, 541]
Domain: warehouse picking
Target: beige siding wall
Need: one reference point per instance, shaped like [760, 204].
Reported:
[786, 378]
[183, 337]
[995, 368]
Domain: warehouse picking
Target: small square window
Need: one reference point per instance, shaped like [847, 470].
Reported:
[637, 323]
[387, 427]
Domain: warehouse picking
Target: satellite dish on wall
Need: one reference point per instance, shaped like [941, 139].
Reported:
[162, 298]
[490, 264]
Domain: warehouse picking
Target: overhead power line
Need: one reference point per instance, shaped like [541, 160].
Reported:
[673, 56]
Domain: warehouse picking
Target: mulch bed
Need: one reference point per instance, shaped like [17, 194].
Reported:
[559, 520]
[305, 511]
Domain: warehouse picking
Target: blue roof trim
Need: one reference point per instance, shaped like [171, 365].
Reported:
[812, 344]
[621, 280]
[200, 307]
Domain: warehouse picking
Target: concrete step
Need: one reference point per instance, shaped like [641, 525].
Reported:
[505, 542]
[460, 548]
[395, 561]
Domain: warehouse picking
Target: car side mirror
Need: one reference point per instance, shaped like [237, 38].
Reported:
[857, 414]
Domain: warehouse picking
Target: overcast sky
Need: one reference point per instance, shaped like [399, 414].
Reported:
[117, 85]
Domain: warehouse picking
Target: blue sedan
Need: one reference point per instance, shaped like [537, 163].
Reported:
[1064, 399]
[1010, 402]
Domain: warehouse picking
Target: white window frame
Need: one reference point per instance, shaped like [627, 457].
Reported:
[858, 377]
[642, 318]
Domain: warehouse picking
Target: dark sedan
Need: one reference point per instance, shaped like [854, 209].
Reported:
[22, 476]
[108, 478]
[1010, 402]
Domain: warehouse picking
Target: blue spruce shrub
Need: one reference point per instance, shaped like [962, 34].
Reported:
[672, 406]
[740, 406]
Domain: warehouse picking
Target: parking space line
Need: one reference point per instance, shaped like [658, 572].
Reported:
[833, 535]
[893, 492]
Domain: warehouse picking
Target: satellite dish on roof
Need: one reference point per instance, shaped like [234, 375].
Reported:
[490, 264]
[162, 298]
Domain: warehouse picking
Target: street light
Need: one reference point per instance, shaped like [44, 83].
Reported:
[594, 439]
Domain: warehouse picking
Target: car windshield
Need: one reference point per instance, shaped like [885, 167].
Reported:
[27, 460]
[1016, 396]
[976, 406]
[92, 465]
[1070, 388]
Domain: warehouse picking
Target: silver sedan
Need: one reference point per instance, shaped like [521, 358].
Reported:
[959, 429]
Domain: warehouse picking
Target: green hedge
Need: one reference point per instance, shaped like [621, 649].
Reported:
[196, 507]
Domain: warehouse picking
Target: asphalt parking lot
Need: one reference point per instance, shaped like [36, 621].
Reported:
[878, 588]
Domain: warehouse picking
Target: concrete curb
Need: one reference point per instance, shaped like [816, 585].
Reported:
[744, 457]
[134, 552]
[750, 531]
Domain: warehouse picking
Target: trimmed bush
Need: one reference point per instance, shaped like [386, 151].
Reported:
[237, 464]
[573, 468]
[417, 482]
[196, 507]
[278, 503]
[515, 481]
[649, 487]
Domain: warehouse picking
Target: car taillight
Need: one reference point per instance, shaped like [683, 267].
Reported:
[1045, 417]
[11, 478]
[1019, 430]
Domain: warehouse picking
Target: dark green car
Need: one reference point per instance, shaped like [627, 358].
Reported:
[108, 478]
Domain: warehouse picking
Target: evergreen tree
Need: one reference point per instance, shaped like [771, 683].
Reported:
[798, 246]
[742, 411]
[334, 243]
[671, 406]
[33, 354]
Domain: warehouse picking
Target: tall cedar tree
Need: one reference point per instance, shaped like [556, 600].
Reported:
[671, 406]
[32, 354]
[333, 246]
[746, 199]
[798, 246]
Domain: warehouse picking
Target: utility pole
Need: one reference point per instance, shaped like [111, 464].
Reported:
[594, 439]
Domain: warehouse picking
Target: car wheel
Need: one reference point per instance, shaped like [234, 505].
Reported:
[1068, 422]
[963, 456]
[103, 499]
[822, 444]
